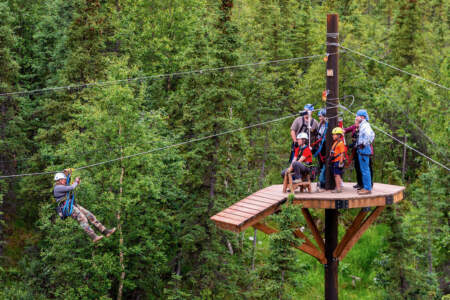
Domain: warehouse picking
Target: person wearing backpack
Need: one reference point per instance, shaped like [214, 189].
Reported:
[305, 123]
[79, 213]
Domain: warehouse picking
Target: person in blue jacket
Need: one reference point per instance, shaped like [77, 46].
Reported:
[364, 149]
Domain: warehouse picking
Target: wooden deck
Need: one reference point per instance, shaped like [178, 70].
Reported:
[254, 208]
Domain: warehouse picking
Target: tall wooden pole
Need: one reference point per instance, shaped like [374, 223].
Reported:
[331, 215]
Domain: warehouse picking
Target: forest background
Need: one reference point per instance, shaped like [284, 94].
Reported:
[166, 247]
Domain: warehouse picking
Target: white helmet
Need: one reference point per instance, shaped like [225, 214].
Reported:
[59, 176]
[302, 135]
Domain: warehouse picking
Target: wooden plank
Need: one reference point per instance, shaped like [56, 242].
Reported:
[273, 194]
[239, 212]
[264, 228]
[267, 196]
[247, 205]
[312, 226]
[225, 220]
[263, 205]
[350, 231]
[259, 217]
[227, 226]
[314, 203]
[352, 241]
[262, 199]
[225, 214]
[244, 209]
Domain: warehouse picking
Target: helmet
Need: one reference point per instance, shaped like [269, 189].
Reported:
[309, 107]
[363, 113]
[59, 176]
[337, 130]
[322, 112]
[302, 135]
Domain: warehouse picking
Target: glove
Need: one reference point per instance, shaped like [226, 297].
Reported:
[341, 164]
[296, 144]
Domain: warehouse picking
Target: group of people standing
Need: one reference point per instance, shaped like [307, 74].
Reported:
[308, 141]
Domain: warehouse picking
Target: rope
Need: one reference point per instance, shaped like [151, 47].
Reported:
[395, 68]
[151, 77]
[399, 141]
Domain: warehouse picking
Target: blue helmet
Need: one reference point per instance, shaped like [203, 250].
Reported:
[322, 112]
[363, 113]
[309, 107]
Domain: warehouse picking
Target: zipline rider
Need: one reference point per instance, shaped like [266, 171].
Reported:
[305, 123]
[61, 193]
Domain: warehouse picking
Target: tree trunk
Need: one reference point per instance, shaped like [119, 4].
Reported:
[119, 225]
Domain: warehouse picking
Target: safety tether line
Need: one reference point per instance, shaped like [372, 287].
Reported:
[395, 68]
[142, 78]
[399, 141]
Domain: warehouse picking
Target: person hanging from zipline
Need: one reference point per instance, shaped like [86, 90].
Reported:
[305, 123]
[302, 162]
[364, 150]
[67, 206]
[337, 157]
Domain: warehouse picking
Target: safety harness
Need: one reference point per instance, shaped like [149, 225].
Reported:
[65, 209]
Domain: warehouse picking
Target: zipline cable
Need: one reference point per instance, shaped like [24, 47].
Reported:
[395, 68]
[411, 122]
[160, 148]
[399, 141]
[159, 76]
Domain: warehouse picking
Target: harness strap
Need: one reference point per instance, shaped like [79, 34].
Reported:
[321, 140]
[68, 205]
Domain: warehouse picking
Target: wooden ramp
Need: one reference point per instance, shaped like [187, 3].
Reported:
[261, 204]
[250, 210]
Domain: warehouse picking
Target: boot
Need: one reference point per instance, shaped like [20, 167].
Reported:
[97, 238]
[108, 232]
[364, 192]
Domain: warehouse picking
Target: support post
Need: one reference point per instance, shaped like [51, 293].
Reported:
[331, 215]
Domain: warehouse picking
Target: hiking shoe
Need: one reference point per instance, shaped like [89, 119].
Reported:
[364, 192]
[108, 232]
[97, 238]
[319, 190]
[336, 191]
[356, 186]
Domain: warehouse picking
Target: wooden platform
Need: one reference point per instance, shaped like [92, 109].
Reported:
[254, 208]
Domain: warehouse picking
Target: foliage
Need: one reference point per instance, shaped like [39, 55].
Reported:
[166, 247]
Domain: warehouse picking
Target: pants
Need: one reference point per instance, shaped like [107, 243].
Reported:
[364, 163]
[322, 179]
[358, 170]
[299, 170]
[82, 215]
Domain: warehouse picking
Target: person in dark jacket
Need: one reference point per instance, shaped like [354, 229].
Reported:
[79, 213]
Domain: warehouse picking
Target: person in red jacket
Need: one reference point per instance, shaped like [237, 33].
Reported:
[302, 159]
